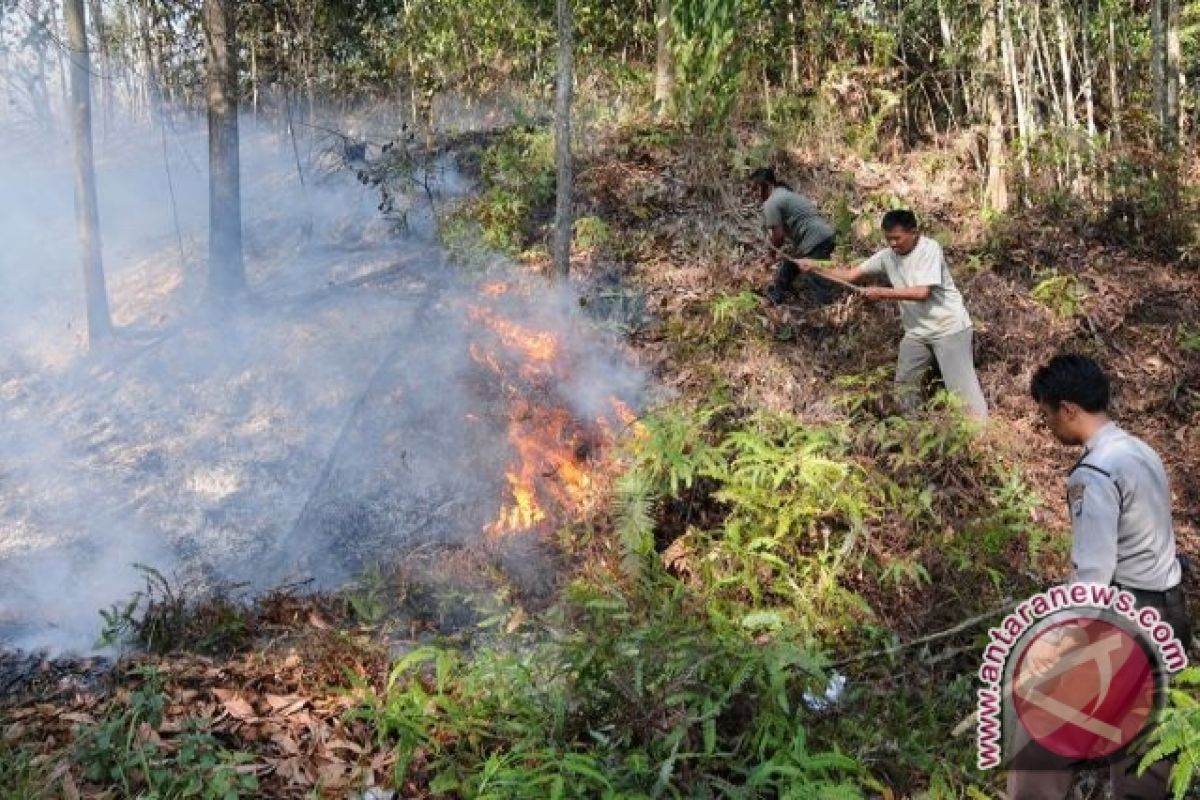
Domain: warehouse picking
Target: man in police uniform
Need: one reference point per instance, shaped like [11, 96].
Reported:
[1121, 534]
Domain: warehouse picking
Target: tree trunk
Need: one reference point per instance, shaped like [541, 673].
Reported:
[107, 82]
[1114, 123]
[1171, 70]
[226, 272]
[149, 64]
[664, 62]
[997, 179]
[1064, 59]
[1158, 63]
[1089, 95]
[87, 214]
[1007, 48]
[794, 29]
[562, 143]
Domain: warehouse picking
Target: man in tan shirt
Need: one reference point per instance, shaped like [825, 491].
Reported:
[935, 320]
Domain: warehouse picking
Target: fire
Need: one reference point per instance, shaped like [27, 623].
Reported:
[536, 346]
[494, 288]
[552, 474]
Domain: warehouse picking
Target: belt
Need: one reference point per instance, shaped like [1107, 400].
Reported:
[1168, 597]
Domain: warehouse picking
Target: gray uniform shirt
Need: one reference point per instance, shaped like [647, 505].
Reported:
[1120, 505]
[798, 217]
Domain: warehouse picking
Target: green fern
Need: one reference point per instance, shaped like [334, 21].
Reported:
[1178, 733]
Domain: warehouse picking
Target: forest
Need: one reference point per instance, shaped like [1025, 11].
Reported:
[400, 399]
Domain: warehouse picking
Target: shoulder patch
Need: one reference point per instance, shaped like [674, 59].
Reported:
[1075, 493]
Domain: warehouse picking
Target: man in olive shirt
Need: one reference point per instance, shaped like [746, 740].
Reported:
[935, 320]
[792, 218]
[1119, 502]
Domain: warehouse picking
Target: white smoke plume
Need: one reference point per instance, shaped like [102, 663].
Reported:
[332, 421]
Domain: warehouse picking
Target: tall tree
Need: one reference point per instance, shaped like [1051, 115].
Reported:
[562, 143]
[226, 272]
[87, 213]
[1165, 68]
[664, 64]
[997, 179]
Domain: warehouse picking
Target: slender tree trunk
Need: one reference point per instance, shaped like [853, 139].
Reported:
[1024, 129]
[664, 63]
[1171, 73]
[1089, 94]
[62, 67]
[107, 81]
[1065, 65]
[1114, 93]
[997, 178]
[149, 66]
[226, 271]
[1158, 63]
[562, 143]
[795, 44]
[87, 213]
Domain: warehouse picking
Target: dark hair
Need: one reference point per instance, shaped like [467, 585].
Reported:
[765, 176]
[899, 218]
[1071, 378]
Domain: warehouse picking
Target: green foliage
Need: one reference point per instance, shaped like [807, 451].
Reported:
[1189, 339]
[708, 60]
[731, 315]
[118, 753]
[1178, 733]
[517, 172]
[161, 618]
[367, 596]
[635, 695]
[21, 777]
[591, 233]
[1062, 294]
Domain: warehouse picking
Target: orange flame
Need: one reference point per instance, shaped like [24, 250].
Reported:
[551, 474]
[538, 346]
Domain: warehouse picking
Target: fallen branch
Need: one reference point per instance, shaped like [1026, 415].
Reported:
[933, 637]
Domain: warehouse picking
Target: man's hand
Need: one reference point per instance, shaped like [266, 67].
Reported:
[806, 264]
[874, 293]
[1042, 655]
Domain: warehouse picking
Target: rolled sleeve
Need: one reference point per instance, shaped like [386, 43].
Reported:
[1095, 507]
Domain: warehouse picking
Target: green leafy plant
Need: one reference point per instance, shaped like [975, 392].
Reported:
[1062, 294]
[731, 315]
[1189, 339]
[22, 777]
[634, 695]
[591, 233]
[162, 617]
[117, 752]
[1178, 733]
[708, 60]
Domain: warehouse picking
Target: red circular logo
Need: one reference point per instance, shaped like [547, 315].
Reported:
[1084, 688]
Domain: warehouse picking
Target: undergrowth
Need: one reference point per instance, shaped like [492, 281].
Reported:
[626, 693]
[125, 752]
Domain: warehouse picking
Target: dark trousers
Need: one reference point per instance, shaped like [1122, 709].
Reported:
[1047, 778]
[816, 290]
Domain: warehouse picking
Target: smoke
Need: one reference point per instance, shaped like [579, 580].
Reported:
[334, 420]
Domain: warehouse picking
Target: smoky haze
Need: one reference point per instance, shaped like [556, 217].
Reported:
[334, 420]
